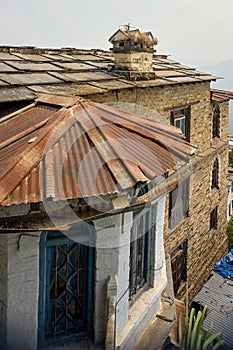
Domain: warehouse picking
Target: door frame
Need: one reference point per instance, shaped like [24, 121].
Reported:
[84, 237]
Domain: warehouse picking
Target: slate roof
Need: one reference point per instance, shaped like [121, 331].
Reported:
[69, 147]
[25, 70]
[221, 95]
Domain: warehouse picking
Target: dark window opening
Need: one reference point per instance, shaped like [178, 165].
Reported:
[10, 107]
[178, 204]
[180, 118]
[214, 219]
[139, 253]
[216, 120]
[122, 44]
[179, 266]
[215, 173]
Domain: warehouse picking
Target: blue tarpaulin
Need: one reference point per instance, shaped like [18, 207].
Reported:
[224, 267]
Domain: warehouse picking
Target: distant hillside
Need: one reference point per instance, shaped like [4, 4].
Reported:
[224, 70]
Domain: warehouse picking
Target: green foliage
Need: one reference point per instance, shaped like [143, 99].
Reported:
[230, 233]
[194, 336]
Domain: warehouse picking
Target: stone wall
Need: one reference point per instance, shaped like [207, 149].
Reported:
[164, 99]
[204, 247]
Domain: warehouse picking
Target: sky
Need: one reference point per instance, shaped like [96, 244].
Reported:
[193, 31]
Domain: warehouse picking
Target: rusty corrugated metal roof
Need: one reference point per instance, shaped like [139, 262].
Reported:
[221, 95]
[84, 149]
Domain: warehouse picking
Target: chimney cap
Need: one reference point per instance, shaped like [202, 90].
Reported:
[133, 35]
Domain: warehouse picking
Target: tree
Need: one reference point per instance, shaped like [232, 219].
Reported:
[230, 233]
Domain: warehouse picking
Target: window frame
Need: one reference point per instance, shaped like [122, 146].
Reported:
[215, 174]
[179, 114]
[216, 120]
[53, 240]
[179, 261]
[214, 218]
[177, 204]
[139, 266]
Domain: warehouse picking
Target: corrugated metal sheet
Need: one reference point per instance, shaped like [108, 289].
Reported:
[217, 294]
[221, 95]
[85, 150]
[13, 129]
[65, 101]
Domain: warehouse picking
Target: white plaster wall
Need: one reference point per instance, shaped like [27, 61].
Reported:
[22, 291]
[112, 258]
[3, 286]
[145, 307]
[157, 248]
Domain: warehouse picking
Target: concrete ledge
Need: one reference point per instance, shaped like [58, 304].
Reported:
[141, 313]
[157, 331]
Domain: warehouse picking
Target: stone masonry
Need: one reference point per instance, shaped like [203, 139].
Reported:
[204, 246]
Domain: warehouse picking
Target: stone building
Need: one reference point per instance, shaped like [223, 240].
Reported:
[177, 192]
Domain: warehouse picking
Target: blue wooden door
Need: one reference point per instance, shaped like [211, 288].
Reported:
[66, 290]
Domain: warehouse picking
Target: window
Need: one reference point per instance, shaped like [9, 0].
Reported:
[179, 266]
[216, 120]
[178, 204]
[215, 173]
[214, 219]
[180, 118]
[139, 253]
[66, 275]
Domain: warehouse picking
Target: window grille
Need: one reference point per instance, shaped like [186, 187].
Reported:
[139, 253]
[216, 120]
[179, 266]
[66, 283]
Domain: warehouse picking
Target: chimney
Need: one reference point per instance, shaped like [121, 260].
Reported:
[133, 53]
